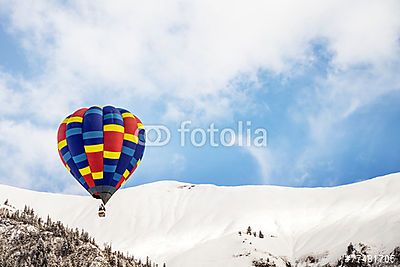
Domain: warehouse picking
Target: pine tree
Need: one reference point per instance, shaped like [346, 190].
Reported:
[249, 230]
[42, 248]
[350, 249]
[48, 221]
[260, 234]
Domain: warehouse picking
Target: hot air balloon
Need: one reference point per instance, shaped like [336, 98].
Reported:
[101, 148]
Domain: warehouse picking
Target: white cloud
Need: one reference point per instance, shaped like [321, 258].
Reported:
[189, 54]
[190, 51]
[29, 151]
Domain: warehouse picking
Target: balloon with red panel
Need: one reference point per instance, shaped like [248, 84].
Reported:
[101, 148]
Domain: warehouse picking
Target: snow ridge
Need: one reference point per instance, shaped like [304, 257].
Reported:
[198, 225]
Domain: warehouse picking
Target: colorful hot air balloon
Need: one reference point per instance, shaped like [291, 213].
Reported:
[101, 147]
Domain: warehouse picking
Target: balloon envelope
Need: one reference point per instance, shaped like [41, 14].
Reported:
[101, 147]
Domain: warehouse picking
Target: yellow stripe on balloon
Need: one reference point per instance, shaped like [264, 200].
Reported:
[131, 137]
[113, 128]
[127, 115]
[140, 126]
[111, 155]
[126, 174]
[94, 148]
[97, 175]
[85, 171]
[75, 119]
[62, 144]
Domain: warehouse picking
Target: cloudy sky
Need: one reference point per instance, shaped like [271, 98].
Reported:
[322, 77]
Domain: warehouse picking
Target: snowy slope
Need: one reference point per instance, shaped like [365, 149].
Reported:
[186, 225]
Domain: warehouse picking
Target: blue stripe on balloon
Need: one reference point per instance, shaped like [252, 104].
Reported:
[73, 131]
[79, 158]
[92, 134]
[94, 110]
[128, 151]
[117, 176]
[133, 161]
[67, 156]
[109, 168]
[116, 116]
[81, 180]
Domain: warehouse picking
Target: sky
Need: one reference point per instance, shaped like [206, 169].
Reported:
[321, 77]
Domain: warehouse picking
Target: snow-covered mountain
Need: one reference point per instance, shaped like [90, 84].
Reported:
[27, 240]
[198, 225]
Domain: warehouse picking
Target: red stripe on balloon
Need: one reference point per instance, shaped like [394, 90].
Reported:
[95, 161]
[89, 179]
[61, 132]
[79, 112]
[113, 141]
[61, 136]
[119, 182]
[130, 126]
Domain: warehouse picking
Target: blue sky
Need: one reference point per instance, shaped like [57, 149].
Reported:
[321, 78]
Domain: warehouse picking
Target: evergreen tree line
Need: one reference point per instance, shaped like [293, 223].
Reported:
[354, 257]
[28, 240]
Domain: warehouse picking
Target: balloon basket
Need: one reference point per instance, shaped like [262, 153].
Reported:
[102, 211]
